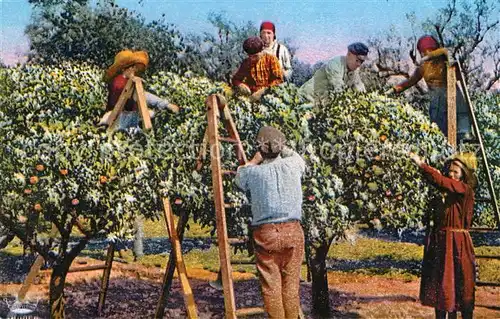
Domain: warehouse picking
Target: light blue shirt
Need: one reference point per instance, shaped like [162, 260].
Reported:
[275, 188]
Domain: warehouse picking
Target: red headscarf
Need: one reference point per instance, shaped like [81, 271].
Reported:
[427, 42]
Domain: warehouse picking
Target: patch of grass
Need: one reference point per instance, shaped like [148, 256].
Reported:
[14, 248]
[158, 229]
[391, 260]
[196, 258]
[369, 248]
[389, 273]
[489, 269]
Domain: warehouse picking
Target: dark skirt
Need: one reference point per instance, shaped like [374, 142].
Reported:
[448, 271]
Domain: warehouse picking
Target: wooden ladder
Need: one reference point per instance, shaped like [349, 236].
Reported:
[133, 86]
[216, 105]
[175, 261]
[454, 75]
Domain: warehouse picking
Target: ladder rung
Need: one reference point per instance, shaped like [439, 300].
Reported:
[235, 241]
[228, 139]
[249, 311]
[226, 172]
[229, 205]
[487, 257]
[78, 269]
[488, 283]
[470, 141]
[232, 241]
[87, 268]
[242, 262]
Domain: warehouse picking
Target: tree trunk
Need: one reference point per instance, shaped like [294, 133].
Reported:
[320, 296]
[57, 281]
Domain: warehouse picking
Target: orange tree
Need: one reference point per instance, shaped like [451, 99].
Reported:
[59, 169]
[356, 150]
[57, 166]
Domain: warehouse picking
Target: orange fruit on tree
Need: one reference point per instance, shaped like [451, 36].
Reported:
[34, 179]
[38, 207]
[27, 191]
[22, 219]
[103, 179]
[63, 171]
[39, 167]
[75, 201]
[383, 137]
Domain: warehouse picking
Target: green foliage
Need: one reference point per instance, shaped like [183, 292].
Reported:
[365, 140]
[81, 31]
[58, 167]
[282, 108]
[218, 57]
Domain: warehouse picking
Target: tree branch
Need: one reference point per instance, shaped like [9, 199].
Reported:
[33, 244]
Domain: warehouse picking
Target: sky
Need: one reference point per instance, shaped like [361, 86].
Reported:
[320, 29]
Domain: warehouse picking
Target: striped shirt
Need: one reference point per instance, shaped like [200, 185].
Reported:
[259, 71]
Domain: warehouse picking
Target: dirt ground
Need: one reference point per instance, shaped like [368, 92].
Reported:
[134, 291]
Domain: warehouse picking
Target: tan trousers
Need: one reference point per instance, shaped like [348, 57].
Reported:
[279, 250]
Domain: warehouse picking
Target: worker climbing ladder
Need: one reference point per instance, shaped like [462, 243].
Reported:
[455, 76]
[218, 110]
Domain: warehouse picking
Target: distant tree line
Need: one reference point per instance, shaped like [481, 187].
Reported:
[86, 31]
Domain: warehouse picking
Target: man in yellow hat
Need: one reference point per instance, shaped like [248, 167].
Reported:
[126, 65]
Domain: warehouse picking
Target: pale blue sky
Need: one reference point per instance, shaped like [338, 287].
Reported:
[321, 29]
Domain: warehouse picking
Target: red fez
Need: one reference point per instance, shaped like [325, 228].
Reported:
[427, 42]
[268, 25]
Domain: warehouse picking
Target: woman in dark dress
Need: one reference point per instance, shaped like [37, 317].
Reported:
[448, 268]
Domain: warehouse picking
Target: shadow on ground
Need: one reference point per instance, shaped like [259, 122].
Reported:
[132, 298]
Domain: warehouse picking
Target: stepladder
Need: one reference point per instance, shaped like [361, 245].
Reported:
[455, 76]
[133, 89]
[175, 261]
[217, 111]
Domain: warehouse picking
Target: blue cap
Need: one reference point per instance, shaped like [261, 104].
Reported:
[358, 48]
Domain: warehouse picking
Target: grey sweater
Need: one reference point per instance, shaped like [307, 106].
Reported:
[275, 188]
